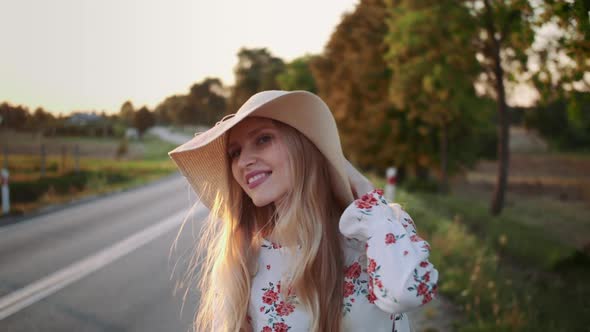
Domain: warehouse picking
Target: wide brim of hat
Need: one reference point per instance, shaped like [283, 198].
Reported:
[203, 159]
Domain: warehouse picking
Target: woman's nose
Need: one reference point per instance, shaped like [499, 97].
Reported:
[246, 158]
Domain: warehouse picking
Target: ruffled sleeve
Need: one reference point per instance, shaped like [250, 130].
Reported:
[400, 276]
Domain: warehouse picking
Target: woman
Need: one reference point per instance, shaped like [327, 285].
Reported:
[297, 239]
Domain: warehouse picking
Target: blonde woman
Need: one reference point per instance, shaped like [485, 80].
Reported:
[297, 239]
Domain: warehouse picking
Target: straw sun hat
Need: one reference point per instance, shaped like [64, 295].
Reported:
[204, 162]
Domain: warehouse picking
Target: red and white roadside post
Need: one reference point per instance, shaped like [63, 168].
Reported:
[5, 191]
[390, 185]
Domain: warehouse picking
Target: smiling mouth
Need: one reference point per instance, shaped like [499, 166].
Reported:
[258, 179]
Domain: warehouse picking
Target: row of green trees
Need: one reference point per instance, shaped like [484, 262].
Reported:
[97, 124]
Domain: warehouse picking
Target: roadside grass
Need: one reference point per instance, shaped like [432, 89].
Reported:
[30, 191]
[504, 274]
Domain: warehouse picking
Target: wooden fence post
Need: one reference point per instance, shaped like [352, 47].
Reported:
[63, 158]
[43, 155]
[77, 158]
[5, 155]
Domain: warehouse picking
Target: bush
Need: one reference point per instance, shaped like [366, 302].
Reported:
[420, 184]
[564, 122]
[31, 191]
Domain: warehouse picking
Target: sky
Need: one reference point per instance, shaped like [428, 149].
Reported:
[69, 55]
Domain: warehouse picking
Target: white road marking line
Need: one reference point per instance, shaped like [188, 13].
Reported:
[50, 284]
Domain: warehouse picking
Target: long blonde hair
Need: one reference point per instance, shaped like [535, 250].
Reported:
[226, 254]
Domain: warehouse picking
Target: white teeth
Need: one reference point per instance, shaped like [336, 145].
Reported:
[256, 177]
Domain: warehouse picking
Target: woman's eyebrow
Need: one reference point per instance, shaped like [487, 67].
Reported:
[250, 134]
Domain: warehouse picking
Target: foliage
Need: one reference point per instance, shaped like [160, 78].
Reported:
[208, 100]
[432, 60]
[298, 75]
[504, 274]
[143, 119]
[385, 115]
[353, 79]
[19, 117]
[565, 122]
[562, 61]
[257, 70]
[503, 35]
[127, 113]
[203, 105]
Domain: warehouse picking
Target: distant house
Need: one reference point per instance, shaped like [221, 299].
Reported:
[86, 124]
[84, 119]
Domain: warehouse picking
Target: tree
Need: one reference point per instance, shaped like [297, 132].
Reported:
[143, 120]
[298, 75]
[562, 61]
[208, 100]
[127, 113]
[14, 117]
[432, 58]
[353, 79]
[170, 110]
[257, 70]
[41, 118]
[504, 34]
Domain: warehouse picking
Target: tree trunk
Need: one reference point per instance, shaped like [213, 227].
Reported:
[503, 138]
[503, 121]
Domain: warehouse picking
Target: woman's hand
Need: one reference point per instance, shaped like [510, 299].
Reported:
[359, 184]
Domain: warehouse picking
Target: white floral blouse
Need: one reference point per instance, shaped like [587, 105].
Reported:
[387, 273]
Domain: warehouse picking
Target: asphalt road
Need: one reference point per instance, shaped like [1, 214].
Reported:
[104, 265]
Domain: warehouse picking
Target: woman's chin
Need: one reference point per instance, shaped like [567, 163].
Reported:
[261, 202]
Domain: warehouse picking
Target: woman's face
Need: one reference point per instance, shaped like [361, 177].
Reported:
[259, 160]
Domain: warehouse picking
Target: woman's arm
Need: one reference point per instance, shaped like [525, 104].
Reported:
[400, 276]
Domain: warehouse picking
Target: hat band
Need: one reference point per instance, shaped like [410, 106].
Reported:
[227, 117]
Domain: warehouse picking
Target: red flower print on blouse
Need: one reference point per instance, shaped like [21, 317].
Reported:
[422, 289]
[366, 201]
[427, 298]
[280, 327]
[268, 266]
[426, 277]
[348, 288]
[266, 329]
[423, 264]
[284, 308]
[371, 297]
[353, 271]
[372, 266]
[415, 238]
[389, 238]
[378, 283]
[270, 296]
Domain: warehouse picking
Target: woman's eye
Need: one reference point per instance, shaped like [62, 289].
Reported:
[264, 138]
[233, 154]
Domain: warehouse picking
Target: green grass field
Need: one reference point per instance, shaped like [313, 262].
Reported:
[97, 175]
